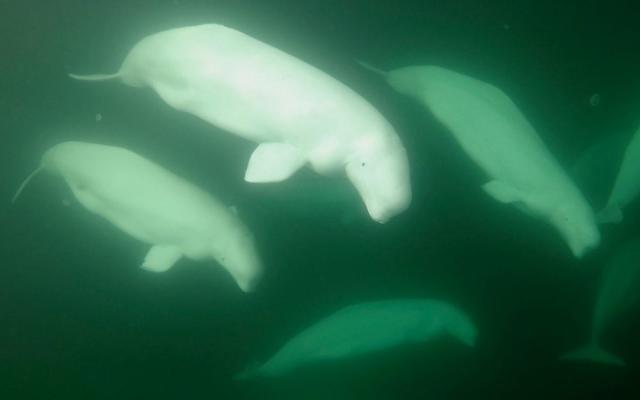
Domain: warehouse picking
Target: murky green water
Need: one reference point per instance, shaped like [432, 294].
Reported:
[80, 320]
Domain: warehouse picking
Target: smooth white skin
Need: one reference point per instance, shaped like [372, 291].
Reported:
[155, 206]
[627, 184]
[497, 136]
[262, 94]
[369, 327]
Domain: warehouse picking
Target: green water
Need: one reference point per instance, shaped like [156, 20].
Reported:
[78, 319]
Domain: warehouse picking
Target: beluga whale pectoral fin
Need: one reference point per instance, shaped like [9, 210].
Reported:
[502, 192]
[95, 77]
[161, 258]
[274, 162]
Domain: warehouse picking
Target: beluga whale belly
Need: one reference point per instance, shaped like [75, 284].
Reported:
[367, 327]
[155, 206]
[297, 113]
[500, 140]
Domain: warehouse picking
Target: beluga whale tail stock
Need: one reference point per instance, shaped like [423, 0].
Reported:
[154, 206]
[296, 113]
[496, 135]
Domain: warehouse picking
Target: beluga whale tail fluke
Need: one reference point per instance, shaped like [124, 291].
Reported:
[373, 69]
[95, 77]
[593, 353]
[25, 183]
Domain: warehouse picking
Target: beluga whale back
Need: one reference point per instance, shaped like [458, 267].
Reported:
[500, 140]
[155, 206]
[367, 327]
[297, 113]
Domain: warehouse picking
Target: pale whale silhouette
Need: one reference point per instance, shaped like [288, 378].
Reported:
[364, 328]
[297, 113]
[627, 184]
[496, 135]
[618, 290]
[155, 206]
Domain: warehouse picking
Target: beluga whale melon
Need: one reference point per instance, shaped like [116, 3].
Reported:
[496, 135]
[364, 328]
[627, 184]
[296, 113]
[618, 291]
[155, 206]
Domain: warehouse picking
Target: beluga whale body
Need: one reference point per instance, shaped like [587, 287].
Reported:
[297, 113]
[364, 328]
[618, 291]
[500, 140]
[155, 206]
[627, 184]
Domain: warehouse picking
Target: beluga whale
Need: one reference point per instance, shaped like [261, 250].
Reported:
[296, 113]
[364, 328]
[155, 206]
[496, 135]
[627, 184]
[618, 291]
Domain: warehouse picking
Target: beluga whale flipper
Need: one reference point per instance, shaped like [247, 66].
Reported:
[618, 291]
[367, 327]
[296, 113]
[498, 138]
[155, 206]
[627, 184]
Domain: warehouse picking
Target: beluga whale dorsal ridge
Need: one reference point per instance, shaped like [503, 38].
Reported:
[296, 113]
[496, 135]
[155, 206]
[367, 327]
[627, 184]
[618, 290]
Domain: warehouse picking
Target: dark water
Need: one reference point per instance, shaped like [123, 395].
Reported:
[78, 319]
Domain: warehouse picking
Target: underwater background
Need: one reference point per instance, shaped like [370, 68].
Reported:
[79, 319]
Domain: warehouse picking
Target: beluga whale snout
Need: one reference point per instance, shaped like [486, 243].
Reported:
[296, 113]
[157, 207]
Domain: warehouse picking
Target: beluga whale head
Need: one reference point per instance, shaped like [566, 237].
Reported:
[577, 227]
[379, 170]
[238, 255]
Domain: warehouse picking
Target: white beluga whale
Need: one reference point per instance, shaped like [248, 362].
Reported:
[364, 328]
[619, 289]
[155, 206]
[627, 184]
[298, 114]
[498, 138]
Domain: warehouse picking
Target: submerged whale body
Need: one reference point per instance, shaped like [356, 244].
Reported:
[155, 206]
[618, 289]
[364, 328]
[627, 184]
[498, 138]
[297, 113]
